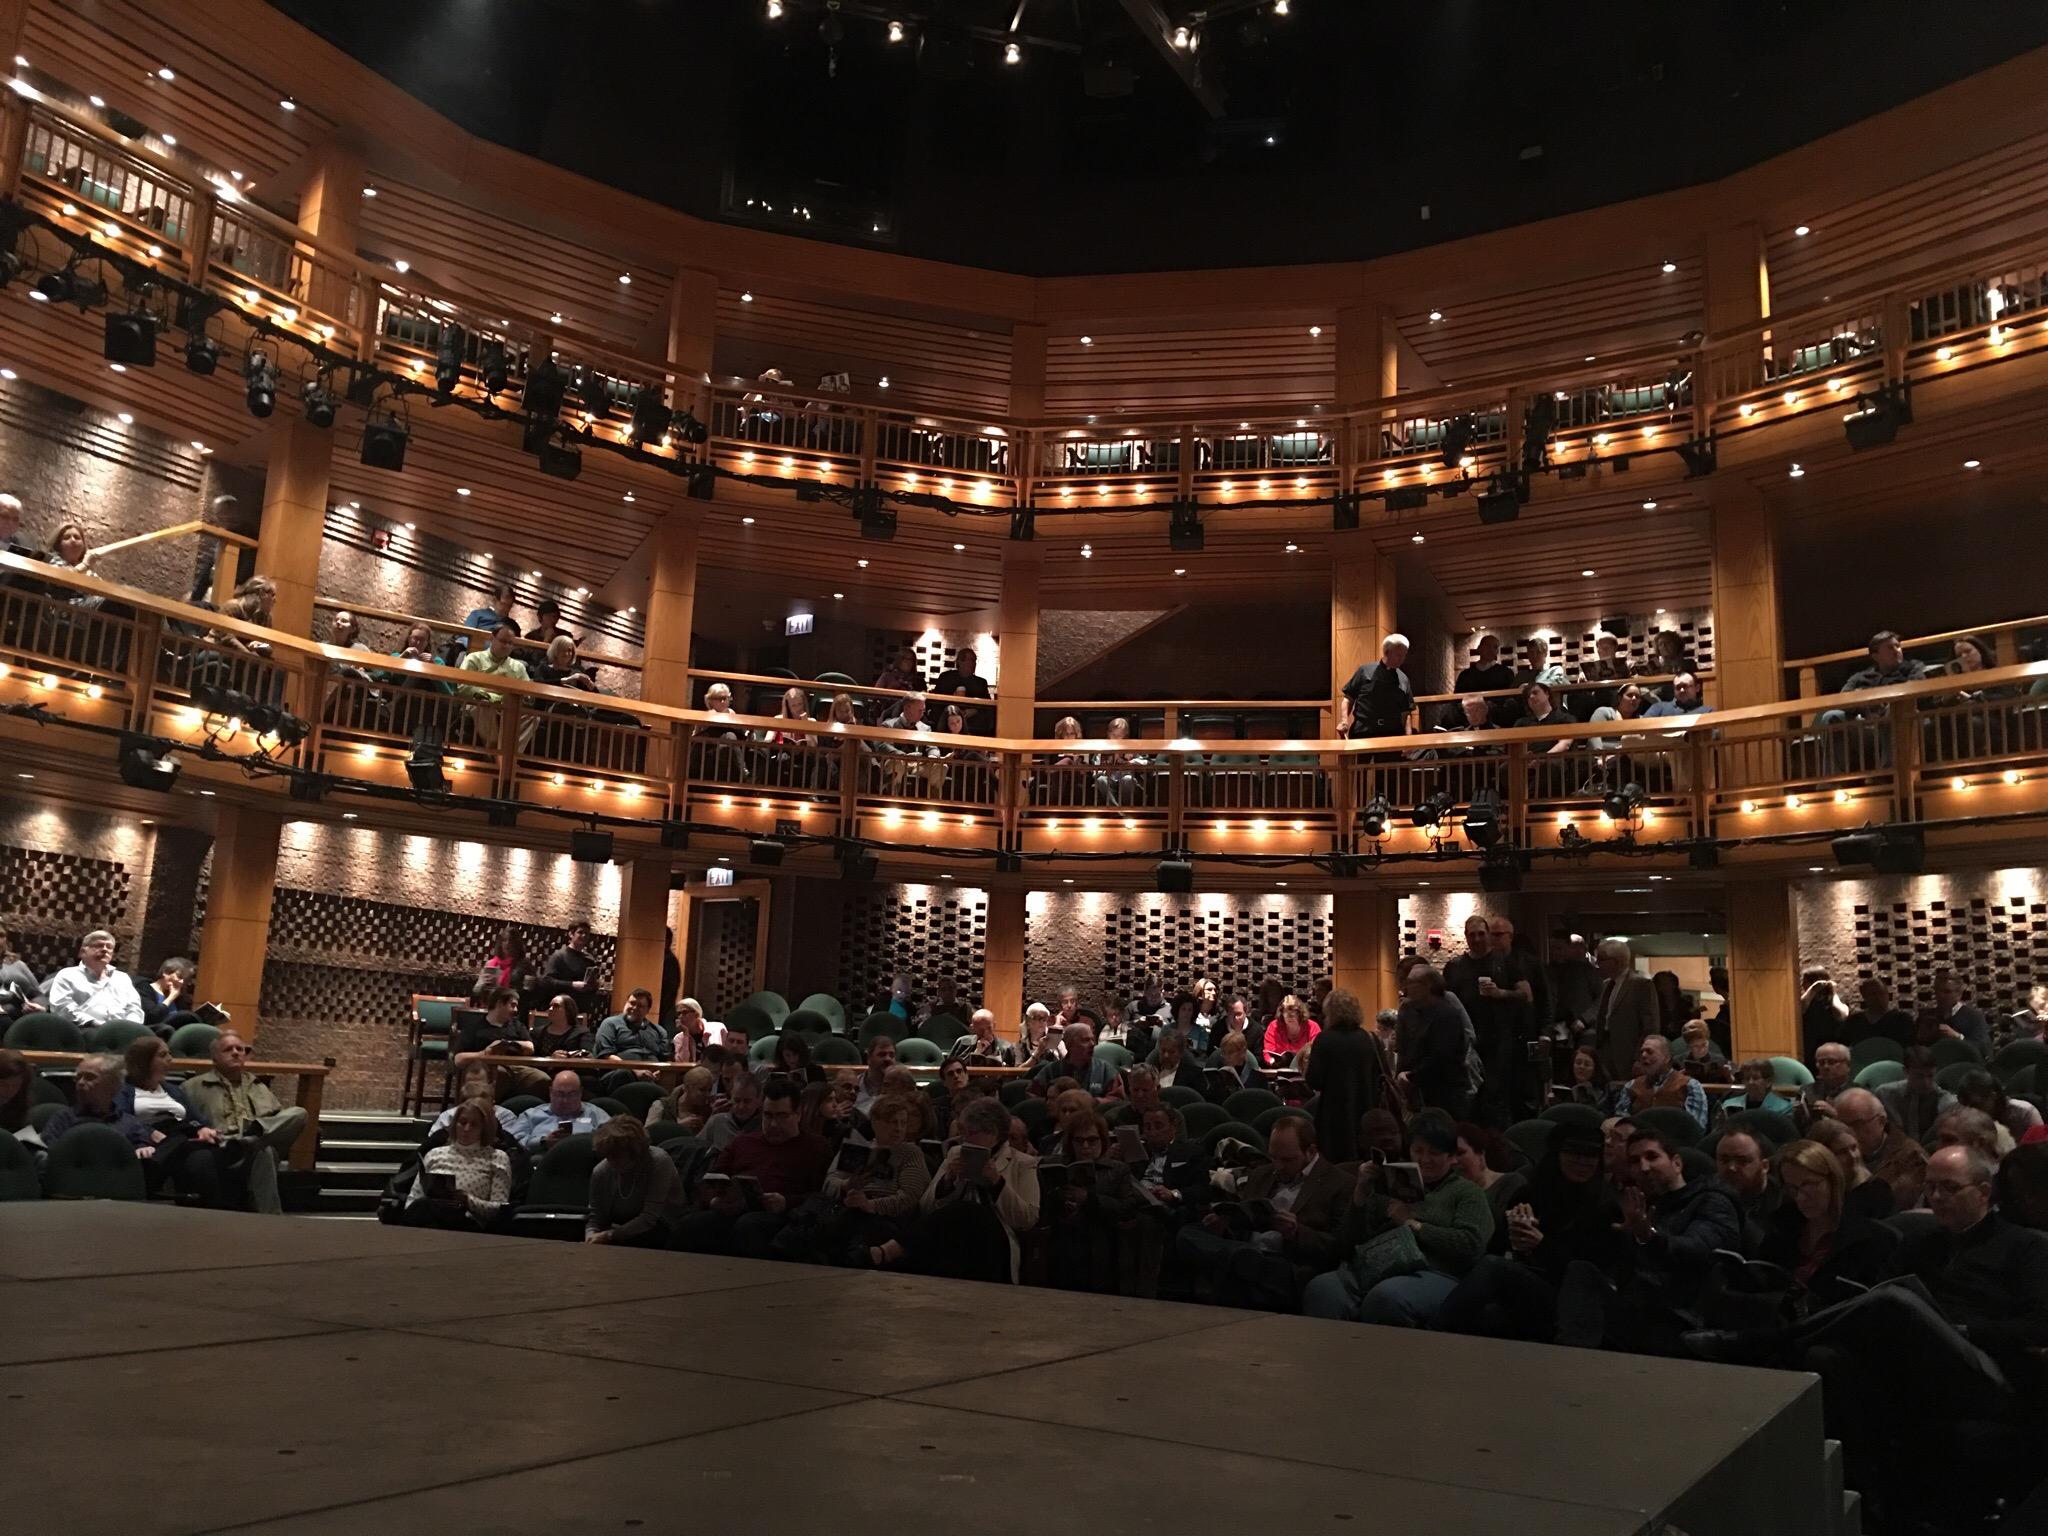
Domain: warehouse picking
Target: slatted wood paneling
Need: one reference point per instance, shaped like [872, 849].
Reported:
[1201, 372]
[937, 364]
[1559, 322]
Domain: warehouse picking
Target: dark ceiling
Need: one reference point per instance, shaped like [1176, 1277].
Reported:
[1345, 129]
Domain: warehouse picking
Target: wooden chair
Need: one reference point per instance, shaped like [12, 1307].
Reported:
[430, 1042]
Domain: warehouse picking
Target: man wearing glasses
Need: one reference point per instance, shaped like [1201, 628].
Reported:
[1888, 1152]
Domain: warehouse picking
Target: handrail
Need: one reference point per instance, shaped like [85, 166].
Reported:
[1578, 685]
[812, 685]
[176, 530]
[448, 627]
[1913, 642]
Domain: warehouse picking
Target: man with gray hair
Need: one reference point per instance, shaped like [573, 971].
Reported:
[93, 992]
[255, 1129]
[1889, 1153]
[1659, 1085]
[1088, 1070]
[1625, 1011]
[96, 1087]
[1378, 699]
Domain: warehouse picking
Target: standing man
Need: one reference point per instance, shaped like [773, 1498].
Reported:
[572, 967]
[1957, 1019]
[246, 1112]
[1626, 1010]
[1504, 1024]
[1377, 699]
[1486, 674]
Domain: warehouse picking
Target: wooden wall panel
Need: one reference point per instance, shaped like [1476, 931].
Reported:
[1197, 370]
[1487, 334]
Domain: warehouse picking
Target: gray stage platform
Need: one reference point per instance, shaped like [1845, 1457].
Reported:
[171, 1370]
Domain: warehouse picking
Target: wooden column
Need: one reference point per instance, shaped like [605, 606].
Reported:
[331, 207]
[692, 336]
[236, 935]
[1361, 604]
[1749, 649]
[1017, 640]
[1368, 354]
[1763, 969]
[1027, 371]
[671, 608]
[1002, 985]
[643, 927]
[1365, 932]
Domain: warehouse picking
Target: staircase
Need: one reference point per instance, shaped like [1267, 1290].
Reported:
[359, 1152]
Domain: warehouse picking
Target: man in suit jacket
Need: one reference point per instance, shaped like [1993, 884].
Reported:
[1625, 1012]
[1309, 1196]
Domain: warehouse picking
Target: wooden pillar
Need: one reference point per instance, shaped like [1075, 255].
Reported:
[1027, 371]
[1017, 640]
[1749, 648]
[1368, 354]
[1002, 984]
[643, 927]
[1361, 604]
[236, 935]
[1365, 931]
[671, 608]
[294, 519]
[1763, 969]
[692, 335]
[331, 208]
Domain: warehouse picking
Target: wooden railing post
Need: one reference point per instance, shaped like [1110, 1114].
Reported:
[1176, 799]
[199, 250]
[1511, 430]
[1518, 794]
[1898, 332]
[1903, 722]
[1188, 445]
[1700, 760]
[870, 431]
[146, 642]
[508, 745]
[13, 142]
[849, 788]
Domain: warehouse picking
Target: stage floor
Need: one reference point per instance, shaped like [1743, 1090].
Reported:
[183, 1371]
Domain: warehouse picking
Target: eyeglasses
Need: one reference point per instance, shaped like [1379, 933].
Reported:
[1949, 1189]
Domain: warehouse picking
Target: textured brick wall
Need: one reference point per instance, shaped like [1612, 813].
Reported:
[1068, 638]
[1103, 941]
[64, 872]
[1991, 925]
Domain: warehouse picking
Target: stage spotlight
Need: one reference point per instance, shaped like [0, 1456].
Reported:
[1891, 850]
[1625, 803]
[1457, 438]
[1483, 818]
[703, 483]
[491, 365]
[767, 851]
[130, 338]
[448, 357]
[384, 442]
[560, 457]
[143, 767]
[877, 521]
[859, 865]
[259, 380]
[1407, 498]
[1700, 457]
[590, 847]
[1344, 512]
[1878, 417]
[595, 391]
[1024, 525]
[1184, 533]
[502, 814]
[202, 353]
[310, 788]
[274, 720]
[1009, 864]
[1376, 818]
[1704, 854]
[1346, 866]
[316, 399]
[424, 769]
[1575, 843]
[689, 428]
[651, 415]
[809, 491]
[546, 387]
[1432, 810]
[68, 286]
[1174, 876]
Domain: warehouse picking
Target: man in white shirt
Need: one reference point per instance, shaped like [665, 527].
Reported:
[92, 992]
[881, 1057]
[564, 1114]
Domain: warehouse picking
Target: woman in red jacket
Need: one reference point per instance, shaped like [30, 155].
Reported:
[1290, 1030]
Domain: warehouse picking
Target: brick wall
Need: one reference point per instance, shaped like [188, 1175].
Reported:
[65, 872]
[1991, 925]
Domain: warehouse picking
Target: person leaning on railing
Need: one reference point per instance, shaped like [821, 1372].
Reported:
[1889, 667]
[1377, 698]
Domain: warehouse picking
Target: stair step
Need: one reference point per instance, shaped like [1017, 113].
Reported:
[1852, 1514]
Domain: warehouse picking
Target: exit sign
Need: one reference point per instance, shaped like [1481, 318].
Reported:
[798, 624]
[718, 874]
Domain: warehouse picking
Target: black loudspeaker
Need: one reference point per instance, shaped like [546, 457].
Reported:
[590, 847]
[1174, 876]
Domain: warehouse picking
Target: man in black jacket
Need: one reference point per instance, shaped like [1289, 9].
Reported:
[573, 967]
[1664, 1245]
[1377, 698]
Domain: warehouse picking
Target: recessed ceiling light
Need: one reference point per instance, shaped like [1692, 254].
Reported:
[1435, 315]
[536, 575]
[1796, 472]
[628, 496]
[125, 419]
[747, 297]
[883, 383]
[98, 101]
[118, 367]
[1180, 570]
[1973, 463]
[1087, 341]
[1649, 506]
[1589, 572]
[958, 547]
[625, 279]
[1415, 538]
[412, 528]
[462, 490]
[166, 73]
[171, 140]
[1802, 231]
[402, 266]
[1670, 267]
[10, 374]
[1293, 548]
[748, 522]
[1315, 330]
[369, 191]
[862, 564]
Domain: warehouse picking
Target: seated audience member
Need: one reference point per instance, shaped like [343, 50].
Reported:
[94, 992]
[690, 1104]
[1433, 1070]
[962, 680]
[1038, 1039]
[1979, 1090]
[901, 675]
[1291, 1031]
[419, 650]
[183, 1143]
[870, 1195]
[1668, 656]
[1833, 1071]
[981, 1046]
[1960, 1127]
[793, 1059]
[1605, 667]
[559, 667]
[1252, 1257]
[911, 768]
[1615, 1132]
[633, 1034]
[741, 1114]
[1629, 703]
[1916, 1101]
[1175, 1067]
[2021, 1190]
[1589, 1082]
[767, 1173]
[19, 987]
[1377, 698]
[954, 1089]
[1237, 1020]
[564, 1114]
[1087, 1202]
[1565, 1215]
[97, 1099]
[1402, 1281]
[881, 1057]
[1958, 1018]
[1208, 1015]
[562, 1032]
[1686, 699]
[494, 615]
[1089, 1071]
[1702, 1060]
[1864, 1194]
[693, 1034]
[17, 1098]
[501, 1032]
[466, 1183]
[718, 703]
[573, 968]
[1669, 1232]
[1540, 708]
[167, 1002]
[494, 660]
[1658, 1083]
[1116, 783]
[986, 1192]
[2027, 1023]
[1233, 1069]
[636, 1195]
[1174, 1167]
[1889, 666]
[240, 1106]
[506, 965]
[1150, 1009]
[473, 1082]
[1541, 669]
[10, 536]
[902, 1083]
[1813, 1237]
[1890, 1154]
[1487, 673]
[1482, 1157]
[1742, 1162]
[1823, 1015]
[1875, 1016]
[945, 1003]
[1759, 1083]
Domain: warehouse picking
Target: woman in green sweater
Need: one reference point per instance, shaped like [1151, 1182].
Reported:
[1450, 1226]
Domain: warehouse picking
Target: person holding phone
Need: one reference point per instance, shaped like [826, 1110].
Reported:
[565, 1114]
[1096, 1195]
[636, 1195]
[766, 1172]
[985, 1194]
[870, 1195]
[464, 1185]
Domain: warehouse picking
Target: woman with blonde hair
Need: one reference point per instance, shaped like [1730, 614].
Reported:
[1828, 1252]
[464, 1184]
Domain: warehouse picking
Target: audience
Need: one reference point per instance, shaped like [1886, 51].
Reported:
[636, 1195]
[633, 1034]
[182, 1145]
[742, 1112]
[1291, 1032]
[242, 1108]
[1093, 1073]
[565, 1114]
[1659, 1084]
[1889, 1154]
[1915, 1102]
[765, 1174]
[572, 967]
[94, 992]
[1279, 1230]
[466, 1183]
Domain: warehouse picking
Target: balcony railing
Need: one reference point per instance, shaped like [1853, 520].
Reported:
[78, 650]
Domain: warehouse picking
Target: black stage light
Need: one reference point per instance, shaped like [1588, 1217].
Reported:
[1575, 843]
[448, 357]
[877, 520]
[1483, 818]
[316, 399]
[1878, 417]
[1376, 818]
[424, 769]
[1432, 810]
[689, 428]
[143, 767]
[1184, 532]
[595, 391]
[1500, 870]
[1345, 866]
[546, 386]
[1498, 505]
[384, 442]
[1344, 511]
[809, 490]
[1457, 438]
[1704, 854]
[1625, 803]
[259, 379]
[130, 338]
[590, 847]
[202, 352]
[859, 865]
[310, 788]
[703, 484]
[491, 365]
[651, 415]
[1174, 876]
[767, 851]
[67, 285]
[1407, 498]
[1024, 525]
[274, 720]
[1700, 457]
[674, 834]
[560, 457]
[1891, 850]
